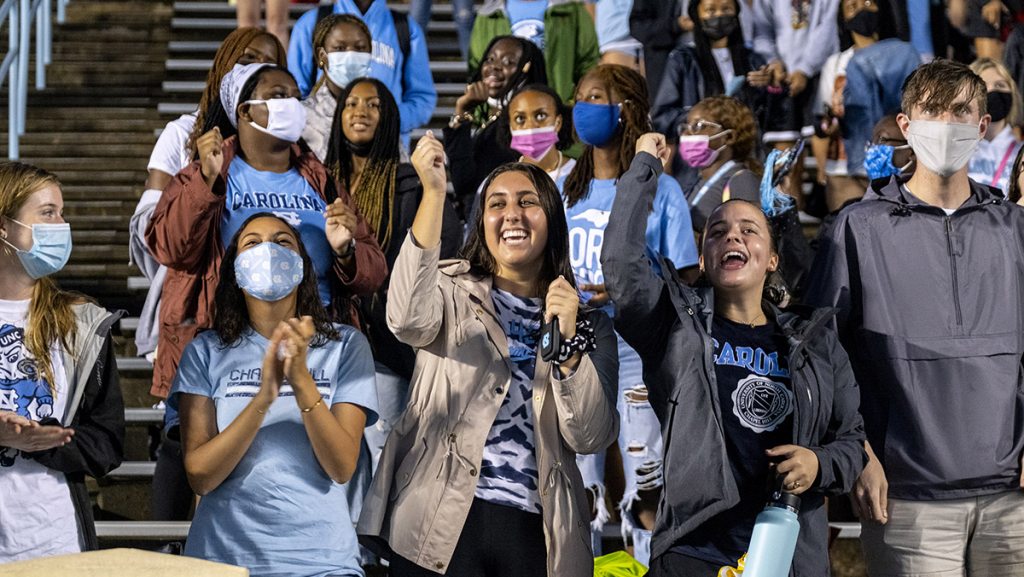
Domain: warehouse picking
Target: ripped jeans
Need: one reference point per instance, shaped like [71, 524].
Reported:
[641, 448]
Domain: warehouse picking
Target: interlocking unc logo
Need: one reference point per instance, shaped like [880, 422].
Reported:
[546, 341]
[761, 404]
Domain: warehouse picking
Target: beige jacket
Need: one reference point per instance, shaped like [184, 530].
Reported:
[428, 470]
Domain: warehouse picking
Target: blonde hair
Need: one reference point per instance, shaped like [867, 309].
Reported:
[981, 65]
[50, 318]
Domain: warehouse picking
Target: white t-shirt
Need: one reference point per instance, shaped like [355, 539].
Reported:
[169, 154]
[563, 171]
[723, 58]
[990, 156]
[37, 516]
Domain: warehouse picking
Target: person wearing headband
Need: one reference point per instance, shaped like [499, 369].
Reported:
[258, 170]
[61, 412]
[273, 402]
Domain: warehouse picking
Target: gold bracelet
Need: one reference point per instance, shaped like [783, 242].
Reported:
[315, 405]
[259, 411]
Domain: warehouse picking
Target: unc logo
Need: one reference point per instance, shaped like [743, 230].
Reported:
[761, 404]
[546, 341]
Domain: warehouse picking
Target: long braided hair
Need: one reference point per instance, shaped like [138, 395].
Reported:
[626, 87]
[375, 193]
[323, 30]
[211, 112]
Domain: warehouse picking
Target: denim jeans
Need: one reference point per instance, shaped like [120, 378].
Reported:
[463, 13]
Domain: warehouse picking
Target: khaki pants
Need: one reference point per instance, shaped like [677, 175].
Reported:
[974, 537]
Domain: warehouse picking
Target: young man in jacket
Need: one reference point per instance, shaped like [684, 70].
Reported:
[928, 277]
[407, 75]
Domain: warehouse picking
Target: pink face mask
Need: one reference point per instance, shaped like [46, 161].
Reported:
[696, 149]
[534, 143]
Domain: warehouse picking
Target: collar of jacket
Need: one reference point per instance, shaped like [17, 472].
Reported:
[92, 323]
[894, 190]
[498, 6]
[302, 160]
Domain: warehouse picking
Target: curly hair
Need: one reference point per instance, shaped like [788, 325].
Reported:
[375, 195]
[556, 254]
[565, 135]
[323, 30]
[211, 113]
[733, 114]
[231, 315]
[625, 86]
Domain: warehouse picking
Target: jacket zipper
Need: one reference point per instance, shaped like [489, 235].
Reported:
[952, 268]
[708, 371]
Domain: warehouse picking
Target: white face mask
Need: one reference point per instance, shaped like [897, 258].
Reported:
[286, 118]
[943, 147]
[344, 67]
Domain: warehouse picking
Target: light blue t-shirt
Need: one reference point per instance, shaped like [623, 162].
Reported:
[527, 19]
[278, 513]
[508, 471]
[669, 234]
[287, 195]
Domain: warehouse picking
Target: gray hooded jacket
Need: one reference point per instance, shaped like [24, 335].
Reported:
[931, 310]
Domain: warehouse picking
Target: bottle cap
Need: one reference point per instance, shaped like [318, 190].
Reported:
[784, 500]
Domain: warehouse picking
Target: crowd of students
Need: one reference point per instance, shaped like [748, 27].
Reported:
[441, 358]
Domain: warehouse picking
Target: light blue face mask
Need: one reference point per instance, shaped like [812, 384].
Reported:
[268, 271]
[51, 248]
[344, 67]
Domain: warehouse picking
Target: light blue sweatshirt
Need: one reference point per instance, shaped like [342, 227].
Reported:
[410, 82]
[803, 47]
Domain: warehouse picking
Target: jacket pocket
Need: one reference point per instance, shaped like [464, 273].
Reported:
[407, 470]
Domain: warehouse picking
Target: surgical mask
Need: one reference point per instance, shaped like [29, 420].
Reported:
[596, 124]
[999, 105]
[943, 147]
[696, 149]
[268, 271]
[878, 161]
[534, 143]
[286, 118]
[719, 27]
[51, 249]
[344, 67]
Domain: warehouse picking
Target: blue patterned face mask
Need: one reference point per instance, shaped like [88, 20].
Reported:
[878, 160]
[268, 271]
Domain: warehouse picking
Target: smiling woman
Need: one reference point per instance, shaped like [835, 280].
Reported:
[498, 419]
[754, 422]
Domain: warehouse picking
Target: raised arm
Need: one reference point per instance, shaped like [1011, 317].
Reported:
[415, 308]
[640, 296]
[189, 209]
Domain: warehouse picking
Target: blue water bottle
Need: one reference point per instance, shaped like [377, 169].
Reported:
[774, 539]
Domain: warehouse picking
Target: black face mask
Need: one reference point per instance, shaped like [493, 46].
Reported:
[864, 23]
[719, 27]
[360, 150]
[999, 105]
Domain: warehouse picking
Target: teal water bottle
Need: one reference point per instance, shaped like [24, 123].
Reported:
[774, 539]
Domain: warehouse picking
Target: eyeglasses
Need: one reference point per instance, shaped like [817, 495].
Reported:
[699, 126]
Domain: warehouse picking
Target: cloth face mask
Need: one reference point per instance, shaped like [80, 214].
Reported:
[943, 147]
[286, 118]
[878, 160]
[268, 271]
[596, 124]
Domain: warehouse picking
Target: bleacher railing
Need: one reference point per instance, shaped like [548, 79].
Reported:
[18, 16]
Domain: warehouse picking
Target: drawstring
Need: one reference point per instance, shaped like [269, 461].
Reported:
[453, 451]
